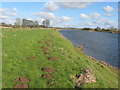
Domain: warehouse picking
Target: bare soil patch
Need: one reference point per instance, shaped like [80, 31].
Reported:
[21, 86]
[48, 69]
[48, 76]
[83, 78]
[22, 79]
[39, 41]
[52, 58]
[43, 47]
[46, 53]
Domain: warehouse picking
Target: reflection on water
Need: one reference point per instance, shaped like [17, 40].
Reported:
[101, 45]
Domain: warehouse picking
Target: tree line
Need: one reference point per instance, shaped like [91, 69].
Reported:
[25, 23]
[102, 29]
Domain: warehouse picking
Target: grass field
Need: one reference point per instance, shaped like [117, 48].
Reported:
[23, 57]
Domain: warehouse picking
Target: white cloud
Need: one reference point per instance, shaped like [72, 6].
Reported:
[50, 6]
[40, 20]
[100, 21]
[54, 20]
[8, 15]
[77, 0]
[108, 14]
[86, 24]
[84, 16]
[66, 19]
[15, 9]
[108, 9]
[104, 22]
[3, 16]
[95, 15]
[45, 15]
[74, 5]
[109, 23]
[7, 12]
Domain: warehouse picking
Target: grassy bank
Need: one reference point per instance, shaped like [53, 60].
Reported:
[23, 57]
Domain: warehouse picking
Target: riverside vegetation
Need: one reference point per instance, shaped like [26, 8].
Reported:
[42, 58]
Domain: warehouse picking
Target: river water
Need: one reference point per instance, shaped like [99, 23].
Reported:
[101, 45]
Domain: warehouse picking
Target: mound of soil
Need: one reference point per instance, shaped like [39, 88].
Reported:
[22, 79]
[52, 58]
[48, 69]
[83, 78]
[80, 47]
[43, 50]
[44, 47]
[30, 58]
[48, 76]
[21, 86]
[48, 41]
[39, 41]
[46, 53]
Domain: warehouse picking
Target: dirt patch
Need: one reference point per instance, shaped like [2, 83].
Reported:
[22, 79]
[39, 41]
[48, 76]
[44, 50]
[21, 86]
[30, 58]
[48, 41]
[43, 47]
[52, 58]
[83, 78]
[48, 69]
[46, 53]
[81, 47]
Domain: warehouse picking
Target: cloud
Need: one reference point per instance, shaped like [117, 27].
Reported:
[77, 0]
[108, 14]
[45, 15]
[8, 15]
[84, 16]
[66, 19]
[86, 24]
[108, 9]
[100, 21]
[74, 5]
[40, 20]
[95, 15]
[50, 6]
[109, 23]
[15, 9]
[55, 21]
[104, 22]
[11, 12]
[3, 16]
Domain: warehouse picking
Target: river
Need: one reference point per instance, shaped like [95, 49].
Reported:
[101, 45]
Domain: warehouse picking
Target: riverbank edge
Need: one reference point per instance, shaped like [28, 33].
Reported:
[91, 58]
[89, 30]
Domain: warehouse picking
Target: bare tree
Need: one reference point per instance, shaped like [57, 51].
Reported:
[18, 22]
[46, 23]
[36, 24]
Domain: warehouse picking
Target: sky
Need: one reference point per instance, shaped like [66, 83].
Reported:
[63, 14]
